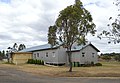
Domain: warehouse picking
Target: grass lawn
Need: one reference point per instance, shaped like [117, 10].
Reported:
[109, 69]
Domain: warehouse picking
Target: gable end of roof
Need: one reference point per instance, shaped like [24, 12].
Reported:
[94, 47]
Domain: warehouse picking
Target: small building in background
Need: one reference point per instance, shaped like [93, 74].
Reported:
[20, 57]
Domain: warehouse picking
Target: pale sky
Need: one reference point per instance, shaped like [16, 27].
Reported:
[27, 21]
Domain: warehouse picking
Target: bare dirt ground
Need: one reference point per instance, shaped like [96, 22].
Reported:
[109, 69]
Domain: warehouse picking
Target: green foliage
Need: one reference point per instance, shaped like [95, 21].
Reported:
[52, 35]
[73, 23]
[42, 62]
[98, 64]
[16, 48]
[113, 34]
[38, 61]
[21, 47]
[92, 63]
[117, 57]
[114, 56]
[106, 57]
[9, 63]
[87, 64]
[2, 54]
[32, 61]
[109, 54]
[76, 64]
[71, 26]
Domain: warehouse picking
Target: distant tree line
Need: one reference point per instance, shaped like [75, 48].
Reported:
[110, 56]
[14, 48]
[17, 47]
[2, 54]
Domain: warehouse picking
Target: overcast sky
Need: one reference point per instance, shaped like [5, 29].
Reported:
[27, 21]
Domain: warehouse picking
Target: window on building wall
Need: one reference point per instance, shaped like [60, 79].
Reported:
[53, 54]
[34, 55]
[83, 54]
[37, 54]
[93, 54]
[46, 54]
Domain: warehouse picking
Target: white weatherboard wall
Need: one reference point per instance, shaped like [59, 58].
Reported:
[50, 58]
[55, 56]
[59, 55]
[62, 55]
[90, 55]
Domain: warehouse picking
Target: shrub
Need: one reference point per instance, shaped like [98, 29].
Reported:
[38, 62]
[73, 64]
[106, 57]
[28, 61]
[87, 64]
[76, 64]
[42, 62]
[92, 63]
[117, 57]
[98, 64]
[32, 61]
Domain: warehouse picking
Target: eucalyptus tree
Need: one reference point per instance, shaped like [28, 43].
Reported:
[15, 47]
[71, 26]
[52, 35]
[113, 34]
[21, 47]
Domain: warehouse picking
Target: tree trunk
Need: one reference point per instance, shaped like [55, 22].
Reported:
[70, 63]
[8, 60]
[69, 59]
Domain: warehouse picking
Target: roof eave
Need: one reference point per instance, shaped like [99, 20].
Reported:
[94, 47]
[44, 49]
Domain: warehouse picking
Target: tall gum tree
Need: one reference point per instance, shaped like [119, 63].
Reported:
[71, 26]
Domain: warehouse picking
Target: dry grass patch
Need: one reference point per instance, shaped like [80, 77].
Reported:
[109, 69]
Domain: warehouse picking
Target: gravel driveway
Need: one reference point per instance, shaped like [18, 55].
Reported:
[11, 75]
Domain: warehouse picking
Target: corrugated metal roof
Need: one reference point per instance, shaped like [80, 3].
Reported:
[40, 47]
[77, 47]
[48, 46]
[80, 47]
